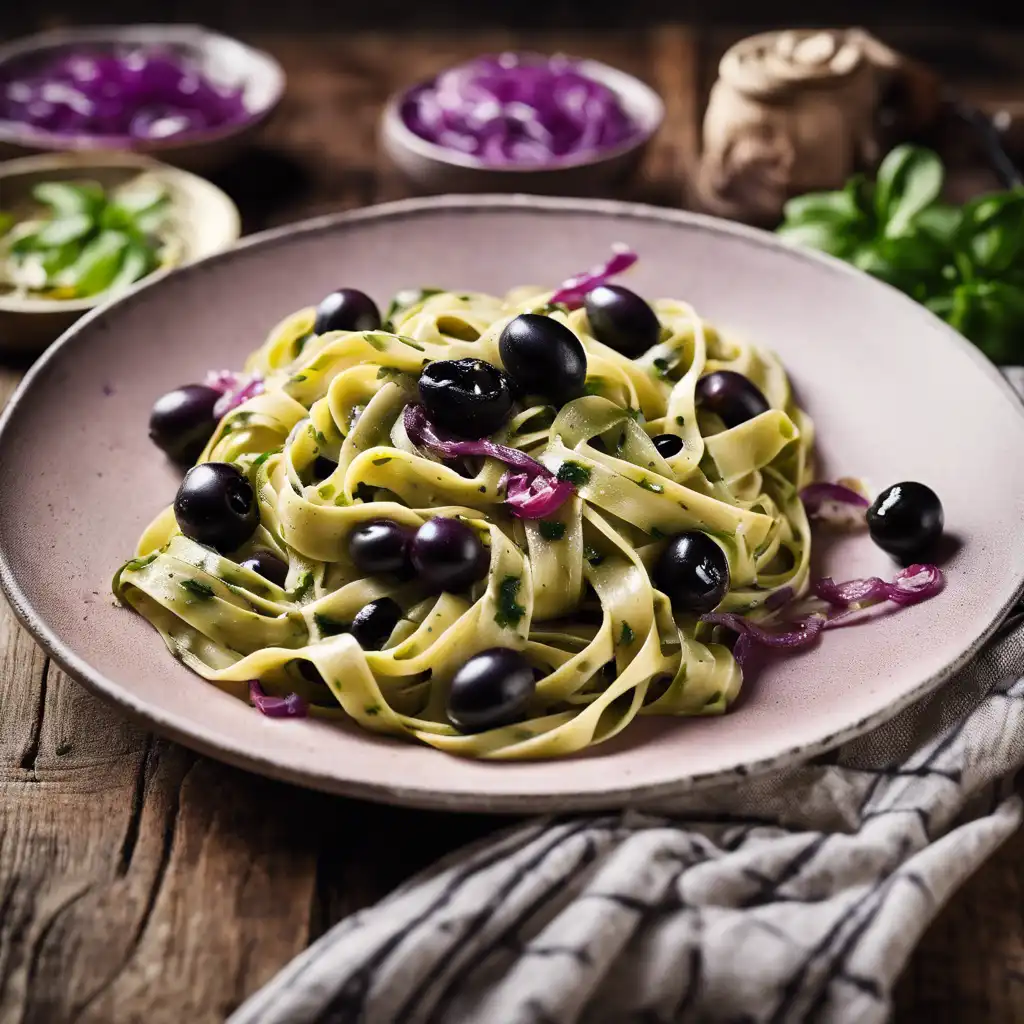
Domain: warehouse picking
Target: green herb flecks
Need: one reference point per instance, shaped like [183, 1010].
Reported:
[326, 491]
[329, 626]
[574, 473]
[140, 563]
[509, 610]
[649, 485]
[303, 585]
[383, 460]
[626, 636]
[199, 590]
[550, 530]
[657, 534]
[662, 368]
[404, 300]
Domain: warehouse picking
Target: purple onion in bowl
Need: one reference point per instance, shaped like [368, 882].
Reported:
[135, 92]
[519, 110]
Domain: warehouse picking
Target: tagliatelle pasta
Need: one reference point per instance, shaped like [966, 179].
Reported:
[573, 592]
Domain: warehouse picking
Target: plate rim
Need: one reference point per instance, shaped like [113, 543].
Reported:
[221, 748]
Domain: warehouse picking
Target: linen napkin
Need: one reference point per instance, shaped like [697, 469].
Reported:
[793, 898]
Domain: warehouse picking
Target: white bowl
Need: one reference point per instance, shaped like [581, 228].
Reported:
[435, 168]
[223, 60]
[208, 220]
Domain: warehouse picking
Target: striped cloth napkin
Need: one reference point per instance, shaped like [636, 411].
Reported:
[793, 898]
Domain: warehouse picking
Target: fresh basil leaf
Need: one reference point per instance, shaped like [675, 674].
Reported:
[63, 230]
[816, 234]
[824, 206]
[56, 258]
[98, 265]
[993, 234]
[991, 314]
[909, 179]
[940, 221]
[66, 198]
[137, 263]
[138, 201]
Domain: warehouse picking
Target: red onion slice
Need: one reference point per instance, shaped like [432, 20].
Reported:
[910, 586]
[536, 498]
[235, 388]
[292, 706]
[835, 504]
[533, 493]
[572, 292]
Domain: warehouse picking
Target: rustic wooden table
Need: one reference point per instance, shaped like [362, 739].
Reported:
[139, 881]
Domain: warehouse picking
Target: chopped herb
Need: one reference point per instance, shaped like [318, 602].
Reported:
[260, 459]
[714, 698]
[199, 590]
[574, 473]
[327, 491]
[635, 414]
[658, 534]
[364, 492]
[389, 373]
[412, 344]
[627, 636]
[371, 710]
[553, 307]
[341, 500]
[648, 486]
[407, 298]
[300, 342]
[321, 437]
[592, 555]
[140, 563]
[680, 421]
[303, 585]
[297, 379]
[509, 610]
[376, 341]
[593, 387]
[383, 460]
[329, 626]
[661, 367]
[552, 530]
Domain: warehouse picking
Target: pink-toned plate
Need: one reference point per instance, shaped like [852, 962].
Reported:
[894, 393]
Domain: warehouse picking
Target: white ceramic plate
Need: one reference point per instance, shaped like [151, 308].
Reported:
[895, 395]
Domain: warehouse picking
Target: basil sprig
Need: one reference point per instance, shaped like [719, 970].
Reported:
[90, 241]
[966, 264]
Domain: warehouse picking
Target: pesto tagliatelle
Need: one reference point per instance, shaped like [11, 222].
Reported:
[573, 592]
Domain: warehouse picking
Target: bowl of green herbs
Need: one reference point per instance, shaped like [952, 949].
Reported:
[78, 230]
[965, 263]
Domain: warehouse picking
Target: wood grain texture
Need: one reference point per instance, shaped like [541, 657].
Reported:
[139, 882]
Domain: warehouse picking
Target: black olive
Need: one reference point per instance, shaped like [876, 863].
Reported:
[668, 445]
[268, 565]
[215, 505]
[622, 320]
[492, 689]
[692, 572]
[182, 421]
[379, 545]
[906, 520]
[469, 397]
[346, 310]
[448, 555]
[544, 357]
[374, 622]
[731, 396]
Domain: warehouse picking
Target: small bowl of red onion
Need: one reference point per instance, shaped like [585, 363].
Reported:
[521, 122]
[181, 93]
